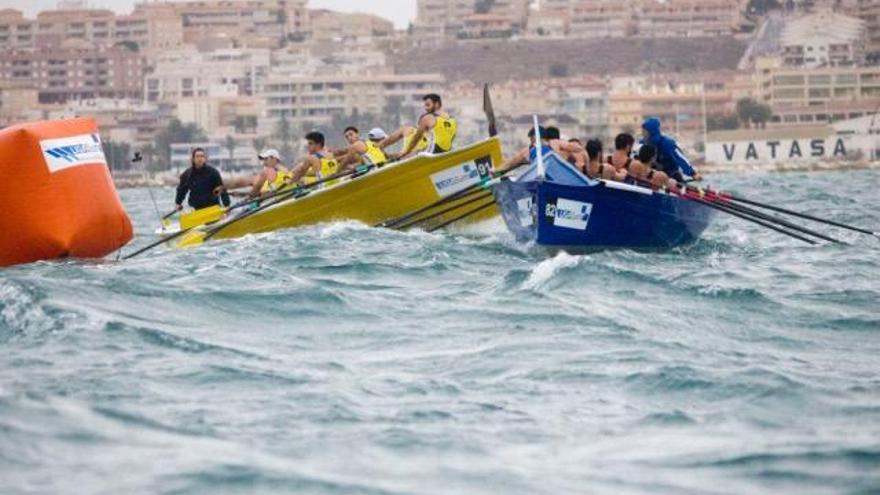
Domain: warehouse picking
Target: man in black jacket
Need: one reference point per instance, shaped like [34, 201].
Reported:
[202, 182]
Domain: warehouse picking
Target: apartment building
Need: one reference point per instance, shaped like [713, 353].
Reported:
[689, 18]
[648, 18]
[441, 19]
[75, 70]
[317, 98]
[328, 26]
[824, 38]
[159, 30]
[817, 95]
[189, 73]
[253, 23]
[868, 11]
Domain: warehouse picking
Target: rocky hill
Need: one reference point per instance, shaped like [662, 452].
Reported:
[502, 61]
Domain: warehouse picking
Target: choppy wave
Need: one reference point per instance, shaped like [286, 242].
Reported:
[345, 359]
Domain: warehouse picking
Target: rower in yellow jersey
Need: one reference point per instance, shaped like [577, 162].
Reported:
[272, 177]
[359, 151]
[318, 165]
[434, 134]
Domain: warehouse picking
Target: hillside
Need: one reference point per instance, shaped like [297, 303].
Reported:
[502, 61]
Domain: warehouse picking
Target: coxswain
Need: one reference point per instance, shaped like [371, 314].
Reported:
[202, 182]
[434, 133]
[670, 158]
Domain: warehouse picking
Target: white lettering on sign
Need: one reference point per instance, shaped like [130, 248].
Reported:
[73, 151]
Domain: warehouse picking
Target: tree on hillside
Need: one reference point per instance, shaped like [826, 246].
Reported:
[751, 112]
[559, 70]
[722, 122]
[483, 6]
[231, 144]
[176, 132]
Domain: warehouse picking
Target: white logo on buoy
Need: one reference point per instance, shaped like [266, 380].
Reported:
[73, 151]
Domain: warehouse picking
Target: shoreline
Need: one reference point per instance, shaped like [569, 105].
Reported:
[133, 182]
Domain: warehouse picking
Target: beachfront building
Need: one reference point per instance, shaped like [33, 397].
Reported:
[317, 98]
[75, 70]
[824, 38]
[818, 96]
[237, 158]
[190, 73]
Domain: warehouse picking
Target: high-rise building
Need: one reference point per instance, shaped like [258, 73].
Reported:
[75, 70]
[824, 38]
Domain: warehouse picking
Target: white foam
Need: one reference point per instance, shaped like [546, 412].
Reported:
[547, 269]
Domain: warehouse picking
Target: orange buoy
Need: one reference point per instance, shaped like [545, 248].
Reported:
[57, 198]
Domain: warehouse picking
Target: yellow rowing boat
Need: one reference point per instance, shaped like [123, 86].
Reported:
[380, 195]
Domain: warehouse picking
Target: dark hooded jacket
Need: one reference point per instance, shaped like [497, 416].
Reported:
[670, 159]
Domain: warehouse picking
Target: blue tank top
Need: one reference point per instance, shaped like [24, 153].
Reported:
[544, 150]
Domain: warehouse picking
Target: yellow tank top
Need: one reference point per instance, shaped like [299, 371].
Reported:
[374, 154]
[329, 166]
[281, 174]
[443, 134]
[422, 144]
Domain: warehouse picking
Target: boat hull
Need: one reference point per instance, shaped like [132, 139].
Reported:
[600, 216]
[380, 195]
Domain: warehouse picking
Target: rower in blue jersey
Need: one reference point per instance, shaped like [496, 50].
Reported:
[550, 142]
[670, 158]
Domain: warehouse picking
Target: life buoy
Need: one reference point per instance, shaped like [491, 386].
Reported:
[57, 198]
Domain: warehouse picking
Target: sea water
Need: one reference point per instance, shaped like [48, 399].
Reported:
[343, 359]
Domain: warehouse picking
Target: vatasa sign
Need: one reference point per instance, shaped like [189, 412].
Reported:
[776, 150]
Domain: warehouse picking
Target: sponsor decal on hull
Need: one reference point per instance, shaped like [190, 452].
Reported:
[460, 177]
[569, 214]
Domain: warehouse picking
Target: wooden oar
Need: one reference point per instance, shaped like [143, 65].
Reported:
[287, 192]
[169, 214]
[748, 218]
[294, 194]
[472, 189]
[463, 216]
[781, 221]
[797, 214]
[444, 211]
[696, 195]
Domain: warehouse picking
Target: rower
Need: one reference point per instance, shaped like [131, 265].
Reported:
[648, 157]
[434, 133]
[637, 170]
[526, 154]
[359, 151]
[271, 178]
[567, 150]
[595, 168]
[670, 158]
[202, 182]
[319, 164]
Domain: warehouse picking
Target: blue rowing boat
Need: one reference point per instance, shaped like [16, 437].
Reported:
[567, 210]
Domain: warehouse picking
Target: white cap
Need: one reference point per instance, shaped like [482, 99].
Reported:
[377, 133]
[270, 153]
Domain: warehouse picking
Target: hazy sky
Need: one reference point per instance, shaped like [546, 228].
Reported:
[400, 11]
